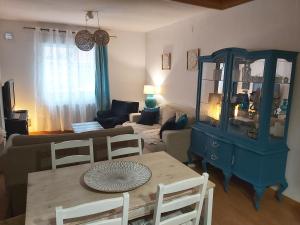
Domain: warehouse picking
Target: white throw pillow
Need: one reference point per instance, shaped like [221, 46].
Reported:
[166, 113]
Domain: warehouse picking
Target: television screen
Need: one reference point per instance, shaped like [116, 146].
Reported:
[12, 94]
[8, 93]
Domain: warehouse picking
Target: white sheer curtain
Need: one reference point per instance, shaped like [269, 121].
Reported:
[64, 81]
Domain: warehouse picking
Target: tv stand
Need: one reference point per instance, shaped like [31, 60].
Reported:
[17, 123]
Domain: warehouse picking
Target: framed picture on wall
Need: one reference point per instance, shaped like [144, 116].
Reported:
[166, 61]
[192, 59]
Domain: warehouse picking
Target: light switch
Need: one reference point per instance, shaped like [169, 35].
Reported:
[8, 36]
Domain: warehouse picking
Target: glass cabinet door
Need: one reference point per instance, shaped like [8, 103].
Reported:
[245, 97]
[280, 98]
[212, 85]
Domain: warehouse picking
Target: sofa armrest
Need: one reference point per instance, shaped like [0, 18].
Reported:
[177, 143]
[134, 117]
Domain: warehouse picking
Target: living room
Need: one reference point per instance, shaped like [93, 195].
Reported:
[150, 59]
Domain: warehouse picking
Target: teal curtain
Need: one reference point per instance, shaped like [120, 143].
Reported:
[102, 79]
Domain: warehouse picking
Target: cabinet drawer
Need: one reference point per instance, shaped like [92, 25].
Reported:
[198, 142]
[219, 153]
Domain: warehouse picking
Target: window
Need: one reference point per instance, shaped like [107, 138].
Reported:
[68, 75]
[64, 81]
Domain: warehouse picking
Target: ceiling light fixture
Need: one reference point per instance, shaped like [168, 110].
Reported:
[85, 40]
[101, 36]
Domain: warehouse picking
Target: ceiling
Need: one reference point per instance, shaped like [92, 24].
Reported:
[134, 15]
[215, 4]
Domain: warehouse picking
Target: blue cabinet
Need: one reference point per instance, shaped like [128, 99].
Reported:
[242, 115]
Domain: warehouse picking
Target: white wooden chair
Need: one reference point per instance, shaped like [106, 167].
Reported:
[95, 208]
[126, 150]
[192, 217]
[72, 158]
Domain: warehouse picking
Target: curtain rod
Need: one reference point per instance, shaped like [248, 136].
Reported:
[61, 31]
[46, 29]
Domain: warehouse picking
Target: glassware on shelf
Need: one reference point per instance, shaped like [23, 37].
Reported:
[284, 106]
[245, 98]
[280, 98]
[245, 101]
[256, 79]
[255, 100]
[278, 79]
[236, 75]
[246, 73]
[211, 93]
[217, 74]
[285, 80]
[277, 130]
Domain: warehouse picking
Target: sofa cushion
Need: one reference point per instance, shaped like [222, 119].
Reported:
[166, 113]
[138, 128]
[151, 137]
[169, 110]
[111, 122]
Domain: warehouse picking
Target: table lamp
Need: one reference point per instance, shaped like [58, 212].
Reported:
[150, 91]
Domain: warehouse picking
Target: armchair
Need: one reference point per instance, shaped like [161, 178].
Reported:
[118, 114]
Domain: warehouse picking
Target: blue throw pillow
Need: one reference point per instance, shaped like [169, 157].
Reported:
[154, 110]
[181, 122]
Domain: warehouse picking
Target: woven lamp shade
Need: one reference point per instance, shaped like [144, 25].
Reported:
[101, 37]
[84, 40]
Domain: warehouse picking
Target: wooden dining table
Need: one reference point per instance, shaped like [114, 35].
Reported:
[65, 187]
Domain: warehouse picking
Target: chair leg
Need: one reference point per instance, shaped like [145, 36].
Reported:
[208, 205]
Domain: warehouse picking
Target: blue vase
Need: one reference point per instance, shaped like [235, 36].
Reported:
[150, 101]
[245, 102]
[284, 105]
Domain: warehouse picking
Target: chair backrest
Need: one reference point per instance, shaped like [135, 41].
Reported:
[121, 108]
[72, 158]
[200, 183]
[126, 150]
[95, 208]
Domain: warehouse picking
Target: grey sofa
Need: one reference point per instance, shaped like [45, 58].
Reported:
[25, 154]
[174, 142]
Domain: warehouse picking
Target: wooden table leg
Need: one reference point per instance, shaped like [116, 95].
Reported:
[208, 204]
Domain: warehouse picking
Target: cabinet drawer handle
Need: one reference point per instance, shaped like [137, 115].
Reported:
[213, 157]
[215, 144]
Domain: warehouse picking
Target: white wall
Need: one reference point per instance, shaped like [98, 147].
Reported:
[127, 65]
[126, 56]
[260, 24]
